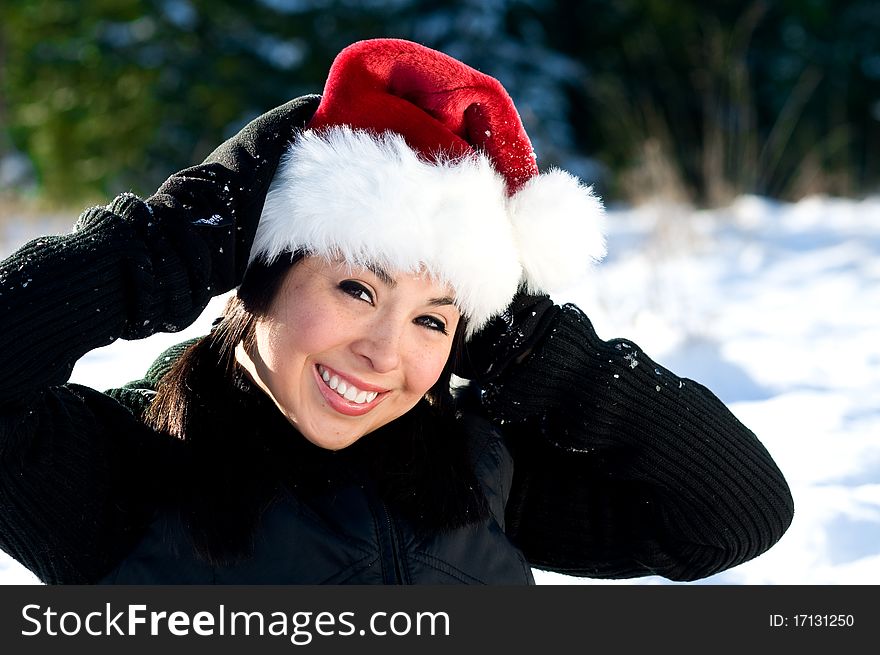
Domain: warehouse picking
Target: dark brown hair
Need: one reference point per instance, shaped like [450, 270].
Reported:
[170, 410]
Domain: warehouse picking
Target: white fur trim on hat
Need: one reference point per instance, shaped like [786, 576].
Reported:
[370, 199]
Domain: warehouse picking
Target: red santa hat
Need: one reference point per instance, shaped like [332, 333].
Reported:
[416, 161]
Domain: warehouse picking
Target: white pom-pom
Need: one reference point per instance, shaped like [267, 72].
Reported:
[558, 225]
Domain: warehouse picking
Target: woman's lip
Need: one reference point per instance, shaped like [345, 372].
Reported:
[360, 384]
[340, 404]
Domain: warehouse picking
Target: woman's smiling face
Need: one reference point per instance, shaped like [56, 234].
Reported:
[345, 350]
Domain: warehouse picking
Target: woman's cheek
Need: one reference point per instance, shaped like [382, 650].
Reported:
[432, 366]
[311, 328]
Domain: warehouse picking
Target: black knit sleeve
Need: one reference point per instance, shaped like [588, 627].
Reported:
[124, 272]
[77, 467]
[623, 469]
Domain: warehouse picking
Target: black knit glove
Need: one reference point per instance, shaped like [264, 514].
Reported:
[191, 240]
[229, 188]
[571, 376]
[551, 373]
[575, 387]
[508, 337]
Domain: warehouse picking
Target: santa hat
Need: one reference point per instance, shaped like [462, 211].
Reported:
[416, 161]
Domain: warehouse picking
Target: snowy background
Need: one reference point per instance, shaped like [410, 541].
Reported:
[774, 307]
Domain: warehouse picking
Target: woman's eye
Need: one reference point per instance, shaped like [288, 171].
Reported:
[356, 290]
[432, 323]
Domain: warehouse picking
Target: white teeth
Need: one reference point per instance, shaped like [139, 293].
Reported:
[345, 389]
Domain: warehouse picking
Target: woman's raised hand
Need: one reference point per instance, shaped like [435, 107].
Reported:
[228, 189]
[507, 339]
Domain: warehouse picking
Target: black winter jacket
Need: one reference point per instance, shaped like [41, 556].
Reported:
[329, 519]
[631, 471]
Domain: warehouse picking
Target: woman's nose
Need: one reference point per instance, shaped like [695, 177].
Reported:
[380, 344]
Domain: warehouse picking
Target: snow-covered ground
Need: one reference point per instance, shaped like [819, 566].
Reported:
[772, 306]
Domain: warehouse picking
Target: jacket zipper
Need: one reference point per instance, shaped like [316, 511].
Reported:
[388, 548]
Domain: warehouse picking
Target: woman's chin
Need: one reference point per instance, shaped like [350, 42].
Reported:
[330, 437]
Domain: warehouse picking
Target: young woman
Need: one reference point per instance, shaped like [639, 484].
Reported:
[312, 437]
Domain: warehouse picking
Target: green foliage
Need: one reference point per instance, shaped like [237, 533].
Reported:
[700, 101]
[106, 95]
[708, 100]
[75, 102]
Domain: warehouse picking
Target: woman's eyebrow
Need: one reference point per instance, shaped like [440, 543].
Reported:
[390, 282]
[382, 274]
